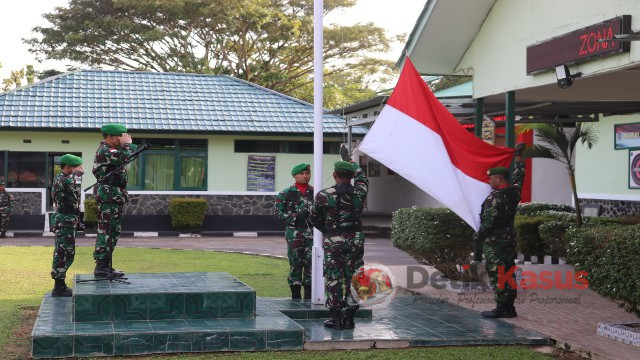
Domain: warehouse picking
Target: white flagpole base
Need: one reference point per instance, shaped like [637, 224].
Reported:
[317, 264]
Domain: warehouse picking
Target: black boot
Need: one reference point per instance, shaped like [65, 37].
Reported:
[102, 268]
[347, 319]
[501, 311]
[295, 292]
[116, 273]
[60, 289]
[307, 292]
[335, 319]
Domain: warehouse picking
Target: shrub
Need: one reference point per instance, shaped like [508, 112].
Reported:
[434, 237]
[552, 236]
[90, 213]
[528, 236]
[610, 254]
[603, 221]
[556, 215]
[528, 209]
[629, 219]
[187, 214]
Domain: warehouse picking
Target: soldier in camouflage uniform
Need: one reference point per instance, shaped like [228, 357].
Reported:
[66, 198]
[6, 205]
[336, 212]
[113, 152]
[292, 205]
[496, 236]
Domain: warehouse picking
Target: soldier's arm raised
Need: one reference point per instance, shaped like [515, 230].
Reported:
[360, 183]
[517, 179]
[117, 156]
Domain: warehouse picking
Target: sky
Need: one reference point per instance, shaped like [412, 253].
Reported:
[20, 16]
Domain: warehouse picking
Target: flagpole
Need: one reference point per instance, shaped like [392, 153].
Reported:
[317, 280]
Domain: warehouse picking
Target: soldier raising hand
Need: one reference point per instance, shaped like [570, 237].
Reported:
[111, 195]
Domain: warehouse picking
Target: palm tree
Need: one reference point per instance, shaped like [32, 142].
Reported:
[556, 144]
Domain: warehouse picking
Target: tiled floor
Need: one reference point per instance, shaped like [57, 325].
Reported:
[404, 319]
[425, 324]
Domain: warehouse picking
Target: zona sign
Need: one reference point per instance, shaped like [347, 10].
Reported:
[579, 46]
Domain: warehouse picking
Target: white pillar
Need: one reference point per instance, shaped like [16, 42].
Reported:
[317, 280]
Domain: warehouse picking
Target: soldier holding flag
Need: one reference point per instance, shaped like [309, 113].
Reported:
[496, 236]
[336, 213]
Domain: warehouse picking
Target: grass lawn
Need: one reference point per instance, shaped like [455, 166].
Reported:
[24, 276]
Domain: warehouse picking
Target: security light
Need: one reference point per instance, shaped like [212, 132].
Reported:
[565, 79]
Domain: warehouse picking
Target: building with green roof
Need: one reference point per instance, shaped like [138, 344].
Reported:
[216, 137]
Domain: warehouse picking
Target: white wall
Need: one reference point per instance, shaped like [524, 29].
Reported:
[388, 193]
[550, 182]
[497, 56]
[603, 172]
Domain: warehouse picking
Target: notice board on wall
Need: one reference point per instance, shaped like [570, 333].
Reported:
[261, 173]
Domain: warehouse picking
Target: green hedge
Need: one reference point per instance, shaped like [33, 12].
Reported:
[552, 237]
[529, 209]
[435, 237]
[528, 236]
[186, 213]
[90, 213]
[610, 254]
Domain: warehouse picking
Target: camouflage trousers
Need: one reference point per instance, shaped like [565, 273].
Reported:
[500, 251]
[299, 247]
[342, 259]
[109, 222]
[4, 221]
[64, 251]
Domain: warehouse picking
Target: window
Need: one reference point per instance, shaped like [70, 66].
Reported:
[26, 169]
[170, 164]
[283, 146]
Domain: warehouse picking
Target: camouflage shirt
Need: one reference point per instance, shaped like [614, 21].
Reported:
[108, 158]
[65, 194]
[290, 203]
[499, 208]
[338, 209]
[6, 202]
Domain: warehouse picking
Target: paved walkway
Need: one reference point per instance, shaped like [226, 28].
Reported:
[569, 316]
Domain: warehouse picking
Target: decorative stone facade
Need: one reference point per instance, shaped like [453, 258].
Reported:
[615, 208]
[158, 204]
[27, 203]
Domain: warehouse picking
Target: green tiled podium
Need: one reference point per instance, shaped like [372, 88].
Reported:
[160, 313]
[207, 312]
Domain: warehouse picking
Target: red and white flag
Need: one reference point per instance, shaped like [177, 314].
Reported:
[418, 138]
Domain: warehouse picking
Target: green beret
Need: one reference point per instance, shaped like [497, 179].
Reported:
[113, 129]
[344, 166]
[71, 160]
[498, 171]
[2, 182]
[300, 168]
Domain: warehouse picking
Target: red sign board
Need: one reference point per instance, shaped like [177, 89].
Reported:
[579, 46]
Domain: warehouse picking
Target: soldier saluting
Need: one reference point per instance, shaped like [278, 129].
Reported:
[66, 197]
[497, 237]
[292, 205]
[110, 195]
[6, 205]
[336, 212]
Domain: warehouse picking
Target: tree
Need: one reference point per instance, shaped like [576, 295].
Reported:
[17, 76]
[445, 82]
[560, 145]
[267, 42]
